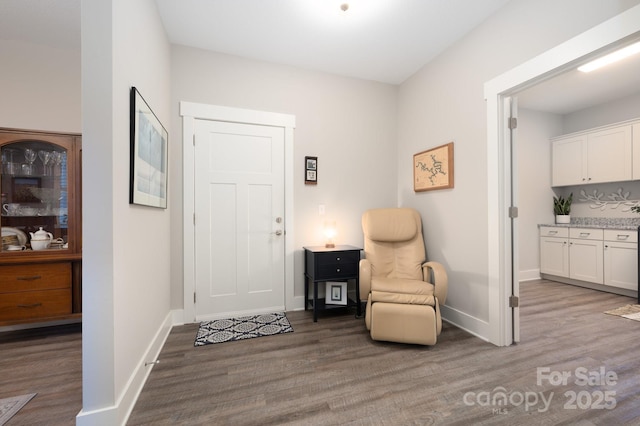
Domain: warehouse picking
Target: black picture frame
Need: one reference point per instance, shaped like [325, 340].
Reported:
[336, 293]
[310, 170]
[149, 158]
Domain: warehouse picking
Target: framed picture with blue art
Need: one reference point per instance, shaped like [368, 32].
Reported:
[148, 171]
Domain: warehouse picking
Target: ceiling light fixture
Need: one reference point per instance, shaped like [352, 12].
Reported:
[611, 58]
[344, 7]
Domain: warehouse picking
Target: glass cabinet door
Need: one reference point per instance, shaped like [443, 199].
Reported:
[35, 197]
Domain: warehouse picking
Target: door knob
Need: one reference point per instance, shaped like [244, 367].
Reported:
[278, 232]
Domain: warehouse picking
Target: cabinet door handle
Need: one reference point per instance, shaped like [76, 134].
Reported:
[338, 270]
[623, 236]
[337, 258]
[553, 232]
[585, 234]
[29, 278]
[32, 305]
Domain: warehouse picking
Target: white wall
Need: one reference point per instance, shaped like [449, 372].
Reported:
[126, 259]
[626, 108]
[39, 87]
[444, 102]
[348, 124]
[535, 202]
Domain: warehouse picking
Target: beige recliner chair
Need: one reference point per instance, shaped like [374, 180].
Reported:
[403, 293]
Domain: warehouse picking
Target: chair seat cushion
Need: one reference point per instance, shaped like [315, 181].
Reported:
[402, 291]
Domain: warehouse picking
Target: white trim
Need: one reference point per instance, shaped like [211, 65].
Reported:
[529, 275]
[537, 69]
[235, 314]
[466, 322]
[119, 413]
[191, 112]
[236, 115]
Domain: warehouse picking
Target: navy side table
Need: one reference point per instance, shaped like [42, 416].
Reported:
[339, 263]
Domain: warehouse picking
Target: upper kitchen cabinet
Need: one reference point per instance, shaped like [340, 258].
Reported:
[595, 156]
[636, 151]
[41, 253]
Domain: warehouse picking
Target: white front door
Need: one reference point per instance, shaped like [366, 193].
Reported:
[239, 219]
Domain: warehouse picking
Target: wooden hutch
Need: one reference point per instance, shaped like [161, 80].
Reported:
[41, 189]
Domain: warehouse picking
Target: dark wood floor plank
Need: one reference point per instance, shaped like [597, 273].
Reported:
[331, 372]
[46, 361]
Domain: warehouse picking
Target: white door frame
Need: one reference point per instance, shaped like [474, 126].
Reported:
[191, 112]
[553, 62]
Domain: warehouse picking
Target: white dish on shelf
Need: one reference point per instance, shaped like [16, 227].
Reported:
[8, 230]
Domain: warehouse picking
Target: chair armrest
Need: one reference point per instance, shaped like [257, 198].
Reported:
[435, 273]
[365, 279]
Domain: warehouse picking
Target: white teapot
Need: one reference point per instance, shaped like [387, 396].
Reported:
[40, 240]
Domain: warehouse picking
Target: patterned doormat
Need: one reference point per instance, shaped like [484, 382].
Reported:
[10, 406]
[227, 330]
[629, 311]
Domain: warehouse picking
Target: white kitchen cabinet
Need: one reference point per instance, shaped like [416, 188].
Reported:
[586, 255]
[554, 251]
[636, 150]
[603, 155]
[568, 161]
[606, 258]
[621, 259]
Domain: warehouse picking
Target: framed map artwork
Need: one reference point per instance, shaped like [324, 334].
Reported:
[433, 168]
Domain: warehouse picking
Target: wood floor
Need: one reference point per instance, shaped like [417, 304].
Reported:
[330, 372]
[46, 361]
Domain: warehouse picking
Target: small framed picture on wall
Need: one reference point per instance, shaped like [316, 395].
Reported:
[310, 170]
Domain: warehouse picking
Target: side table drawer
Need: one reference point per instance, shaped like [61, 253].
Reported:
[339, 258]
[34, 304]
[336, 271]
[20, 278]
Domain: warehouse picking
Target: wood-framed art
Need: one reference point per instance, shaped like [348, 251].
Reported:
[149, 140]
[310, 170]
[433, 168]
[336, 293]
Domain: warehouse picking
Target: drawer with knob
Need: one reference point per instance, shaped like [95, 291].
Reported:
[335, 265]
[19, 278]
[34, 304]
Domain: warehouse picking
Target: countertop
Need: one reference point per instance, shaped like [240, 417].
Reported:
[599, 223]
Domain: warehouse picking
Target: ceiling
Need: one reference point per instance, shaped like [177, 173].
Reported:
[574, 90]
[379, 40]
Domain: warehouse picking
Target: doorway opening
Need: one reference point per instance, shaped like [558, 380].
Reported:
[607, 36]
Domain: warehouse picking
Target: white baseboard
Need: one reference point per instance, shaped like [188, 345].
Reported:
[178, 317]
[119, 414]
[529, 275]
[298, 304]
[475, 326]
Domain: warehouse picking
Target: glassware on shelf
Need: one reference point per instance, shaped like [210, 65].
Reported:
[9, 164]
[45, 156]
[30, 156]
[56, 161]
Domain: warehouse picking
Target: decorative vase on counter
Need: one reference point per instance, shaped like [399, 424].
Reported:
[563, 218]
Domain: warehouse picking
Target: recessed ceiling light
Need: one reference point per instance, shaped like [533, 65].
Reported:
[611, 58]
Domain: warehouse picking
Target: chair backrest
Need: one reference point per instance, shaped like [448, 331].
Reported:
[393, 242]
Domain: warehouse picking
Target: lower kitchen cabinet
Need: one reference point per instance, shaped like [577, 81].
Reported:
[621, 259]
[606, 258]
[554, 251]
[585, 255]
